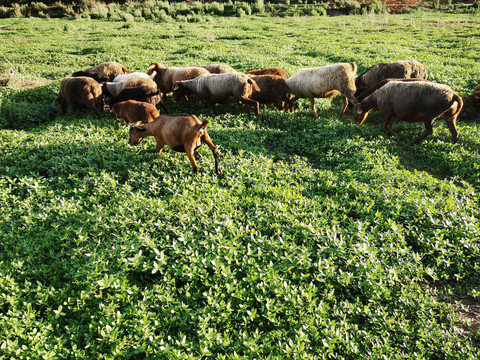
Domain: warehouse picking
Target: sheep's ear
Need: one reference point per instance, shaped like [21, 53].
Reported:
[357, 109]
[138, 126]
[176, 86]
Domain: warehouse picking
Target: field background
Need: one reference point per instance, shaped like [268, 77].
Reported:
[322, 240]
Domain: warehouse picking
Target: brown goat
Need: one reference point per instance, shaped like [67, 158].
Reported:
[182, 133]
[270, 71]
[272, 89]
[133, 111]
[415, 101]
[80, 92]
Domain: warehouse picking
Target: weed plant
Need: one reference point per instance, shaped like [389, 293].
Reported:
[323, 240]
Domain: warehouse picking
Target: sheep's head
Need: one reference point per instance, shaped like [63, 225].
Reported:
[359, 114]
[180, 92]
[137, 133]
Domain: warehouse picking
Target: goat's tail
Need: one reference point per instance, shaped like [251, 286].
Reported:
[203, 126]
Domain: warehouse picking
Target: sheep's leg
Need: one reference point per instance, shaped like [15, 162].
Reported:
[93, 108]
[451, 123]
[428, 131]
[159, 147]
[344, 105]
[162, 105]
[63, 104]
[189, 148]
[250, 102]
[388, 125]
[206, 138]
[312, 102]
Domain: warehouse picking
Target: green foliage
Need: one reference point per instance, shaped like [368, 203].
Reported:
[319, 242]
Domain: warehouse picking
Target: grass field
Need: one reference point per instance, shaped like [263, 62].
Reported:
[323, 240]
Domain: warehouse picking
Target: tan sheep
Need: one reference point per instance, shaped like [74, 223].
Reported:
[325, 82]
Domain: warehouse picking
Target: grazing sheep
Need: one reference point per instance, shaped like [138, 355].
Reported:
[167, 77]
[140, 93]
[270, 71]
[273, 89]
[80, 92]
[112, 89]
[96, 77]
[107, 70]
[219, 88]
[413, 101]
[403, 69]
[182, 133]
[133, 111]
[217, 68]
[372, 89]
[472, 102]
[119, 78]
[325, 82]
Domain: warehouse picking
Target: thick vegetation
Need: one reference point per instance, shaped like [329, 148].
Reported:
[323, 239]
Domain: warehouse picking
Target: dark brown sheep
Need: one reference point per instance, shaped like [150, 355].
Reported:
[80, 92]
[182, 133]
[414, 101]
[140, 93]
[472, 102]
[272, 89]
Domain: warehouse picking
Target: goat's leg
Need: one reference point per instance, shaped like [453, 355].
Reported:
[312, 103]
[189, 148]
[428, 131]
[206, 138]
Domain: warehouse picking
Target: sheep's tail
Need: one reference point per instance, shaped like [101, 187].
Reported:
[457, 104]
[354, 67]
[253, 84]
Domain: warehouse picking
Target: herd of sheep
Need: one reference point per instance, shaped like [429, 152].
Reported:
[398, 89]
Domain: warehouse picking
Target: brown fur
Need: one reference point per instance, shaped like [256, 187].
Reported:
[416, 101]
[270, 71]
[377, 86]
[182, 133]
[272, 89]
[167, 77]
[133, 111]
[473, 101]
[80, 92]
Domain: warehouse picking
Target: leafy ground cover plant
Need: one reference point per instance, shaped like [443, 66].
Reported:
[322, 240]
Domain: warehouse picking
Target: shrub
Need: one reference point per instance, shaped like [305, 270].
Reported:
[247, 10]
[215, 8]
[258, 7]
